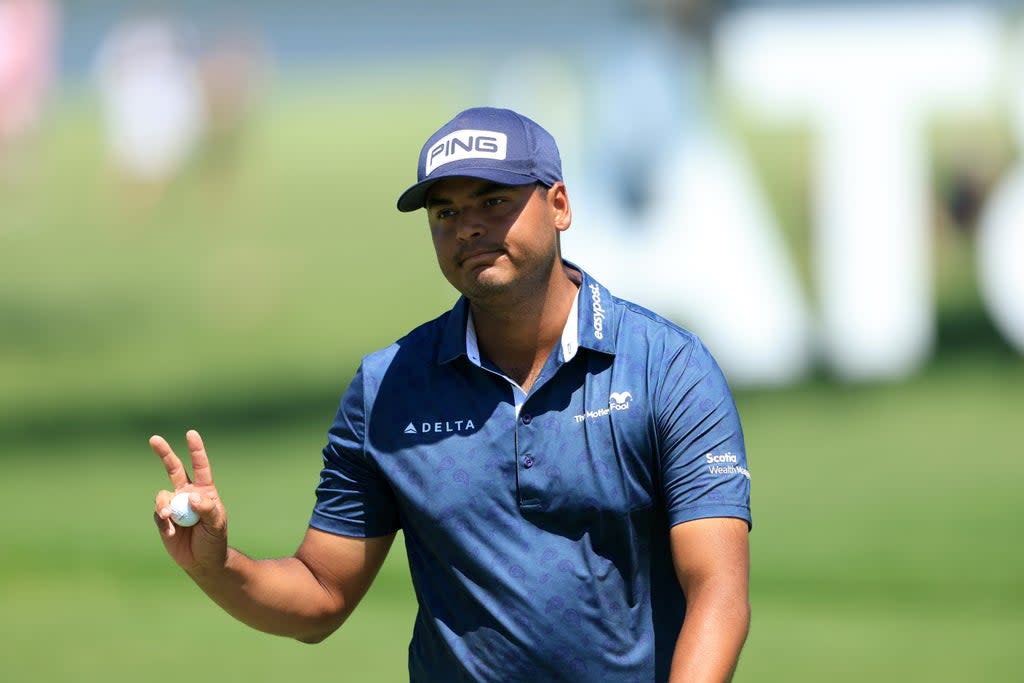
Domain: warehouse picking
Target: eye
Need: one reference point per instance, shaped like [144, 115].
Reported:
[445, 213]
[494, 201]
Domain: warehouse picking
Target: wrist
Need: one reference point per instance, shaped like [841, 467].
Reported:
[215, 569]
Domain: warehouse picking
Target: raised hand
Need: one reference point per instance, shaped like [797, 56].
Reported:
[203, 546]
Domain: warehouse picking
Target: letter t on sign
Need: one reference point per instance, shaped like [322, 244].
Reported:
[866, 79]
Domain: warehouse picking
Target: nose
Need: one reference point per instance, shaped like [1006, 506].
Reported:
[470, 225]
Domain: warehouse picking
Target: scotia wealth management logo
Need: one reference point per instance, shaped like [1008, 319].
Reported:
[725, 464]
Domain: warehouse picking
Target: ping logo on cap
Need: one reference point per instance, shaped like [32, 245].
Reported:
[466, 144]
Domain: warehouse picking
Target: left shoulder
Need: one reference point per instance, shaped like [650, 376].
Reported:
[640, 325]
[675, 358]
[615, 325]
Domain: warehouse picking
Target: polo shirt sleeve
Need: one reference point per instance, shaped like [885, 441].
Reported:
[353, 498]
[703, 458]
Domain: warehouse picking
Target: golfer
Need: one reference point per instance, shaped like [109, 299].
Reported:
[567, 468]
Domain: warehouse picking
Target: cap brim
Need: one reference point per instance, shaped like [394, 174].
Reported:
[416, 196]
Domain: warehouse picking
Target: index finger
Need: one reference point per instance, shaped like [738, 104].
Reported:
[175, 470]
[201, 471]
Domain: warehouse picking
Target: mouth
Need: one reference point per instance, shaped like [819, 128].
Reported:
[479, 257]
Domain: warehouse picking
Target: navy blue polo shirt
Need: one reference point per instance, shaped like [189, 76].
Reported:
[537, 525]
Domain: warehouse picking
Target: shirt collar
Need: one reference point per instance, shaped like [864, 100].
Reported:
[590, 325]
[570, 336]
[453, 335]
[598, 315]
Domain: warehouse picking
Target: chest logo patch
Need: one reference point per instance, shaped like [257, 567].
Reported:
[619, 397]
[617, 400]
[446, 427]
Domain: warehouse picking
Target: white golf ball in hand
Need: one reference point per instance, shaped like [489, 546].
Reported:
[181, 510]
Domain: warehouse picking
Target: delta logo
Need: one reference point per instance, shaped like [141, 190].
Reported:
[443, 427]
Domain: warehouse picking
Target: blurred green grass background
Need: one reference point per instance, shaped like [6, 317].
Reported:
[886, 515]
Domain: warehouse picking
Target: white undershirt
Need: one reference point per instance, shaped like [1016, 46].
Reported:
[570, 344]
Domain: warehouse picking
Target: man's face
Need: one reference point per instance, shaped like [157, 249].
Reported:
[490, 238]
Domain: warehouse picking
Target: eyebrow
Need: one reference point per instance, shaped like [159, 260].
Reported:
[485, 189]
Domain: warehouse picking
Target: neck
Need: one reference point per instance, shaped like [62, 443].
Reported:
[519, 337]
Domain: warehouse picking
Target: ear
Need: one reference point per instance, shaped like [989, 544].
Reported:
[558, 204]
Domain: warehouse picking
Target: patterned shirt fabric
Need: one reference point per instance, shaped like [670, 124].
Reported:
[537, 526]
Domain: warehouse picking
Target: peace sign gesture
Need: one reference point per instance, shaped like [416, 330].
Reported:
[203, 546]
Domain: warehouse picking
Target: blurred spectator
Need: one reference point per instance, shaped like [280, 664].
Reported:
[965, 191]
[152, 100]
[650, 88]
[232, 70]
[28, 38]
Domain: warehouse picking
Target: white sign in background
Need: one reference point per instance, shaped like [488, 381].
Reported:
[867, 81]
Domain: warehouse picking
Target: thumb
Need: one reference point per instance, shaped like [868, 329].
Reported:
[209, 508]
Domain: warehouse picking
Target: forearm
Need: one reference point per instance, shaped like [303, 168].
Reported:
[713, 633]
[278, 596]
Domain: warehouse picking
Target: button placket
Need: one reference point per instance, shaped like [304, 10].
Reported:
[527, 462]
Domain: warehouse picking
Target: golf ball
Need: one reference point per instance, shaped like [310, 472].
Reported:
[181, 511]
